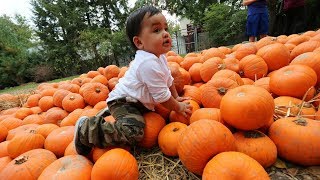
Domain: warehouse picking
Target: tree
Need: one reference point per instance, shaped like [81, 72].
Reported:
[14, 50]
[75, 33]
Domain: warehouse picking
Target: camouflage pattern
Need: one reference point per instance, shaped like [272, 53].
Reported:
[127, 129]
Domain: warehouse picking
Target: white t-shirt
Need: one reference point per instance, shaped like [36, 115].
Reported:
[147, 80]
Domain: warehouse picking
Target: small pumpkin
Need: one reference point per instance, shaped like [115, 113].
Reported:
[168, 138]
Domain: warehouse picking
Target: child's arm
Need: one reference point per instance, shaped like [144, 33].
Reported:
[247, 2]
[181, 107]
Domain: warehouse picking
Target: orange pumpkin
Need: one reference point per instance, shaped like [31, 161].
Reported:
[292, 80]
[253, 67]
[297, 140]
[202, 140]
[256, 145]
[33, 100]
[24, 142]
[58, 140]
[111, 71]
[28, 165]
[275, 55]
[70, 150]
[245, 50]
[206, 113]
[46, 129]
[68, 167]
[73, 101]
[212, 52]
[94, 92]
[310, 59]
[3, 132]
[247, 107]
[115, 164]
[153, 125]
[210, 67]
[194, 72]
[234, 165]
[214, 90]
[168, 138]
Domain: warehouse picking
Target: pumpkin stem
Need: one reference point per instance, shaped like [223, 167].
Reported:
[241, 73]
[222, 90]
[32, 131]
[221, 66]
[98, 90]
[21, 160]
[300, 122]
[253, 134]
[72, 98]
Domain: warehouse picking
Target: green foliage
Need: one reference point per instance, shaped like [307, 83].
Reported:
[77, 36]
[15, 41]
[224, 24]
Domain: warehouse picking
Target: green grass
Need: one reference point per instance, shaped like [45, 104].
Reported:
[26, 88]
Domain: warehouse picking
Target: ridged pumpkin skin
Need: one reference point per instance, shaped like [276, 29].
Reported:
[247, 107]
[292, 80]
[59, 139]
[24, 142]
[297, 140]
[28, 166]
[213, 91]
[256, 145]
[206, 113]
[114, 165]
[202, 140]
[310, 59]
[234, 166]
[253, 67]
[275, 55]
[68, 167]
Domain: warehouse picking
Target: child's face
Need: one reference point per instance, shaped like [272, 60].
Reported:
[154, 36]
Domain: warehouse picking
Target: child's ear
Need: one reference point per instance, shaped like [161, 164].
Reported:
[137, 42]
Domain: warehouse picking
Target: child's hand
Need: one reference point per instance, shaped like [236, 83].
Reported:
[185, 109]
[180, 99]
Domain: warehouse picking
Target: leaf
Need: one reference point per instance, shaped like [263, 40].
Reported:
[280, 164]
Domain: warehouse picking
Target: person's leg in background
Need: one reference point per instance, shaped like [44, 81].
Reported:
[252, 27]
[263, 25]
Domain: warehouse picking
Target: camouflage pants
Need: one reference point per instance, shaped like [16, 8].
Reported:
[127, 129]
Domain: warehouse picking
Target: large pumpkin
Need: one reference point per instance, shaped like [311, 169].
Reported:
[292, 80]
[297, 140]
[115, 164]
[68, 167]
[234, 165]
[28, 165]
[213, 91]
[256, 145]
[202, 140]
[253, 67]
[310, 59]
[247, 107]
[275, 55]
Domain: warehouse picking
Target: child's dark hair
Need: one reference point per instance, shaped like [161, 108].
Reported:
[133, 26]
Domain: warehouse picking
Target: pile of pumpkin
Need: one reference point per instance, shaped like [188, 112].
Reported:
[251, 103]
